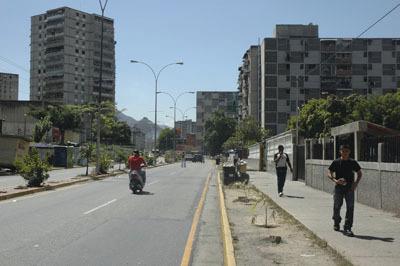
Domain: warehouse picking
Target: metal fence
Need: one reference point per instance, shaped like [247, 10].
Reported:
[330, 150]
[369, 149]
[391, 149]
[317, 151]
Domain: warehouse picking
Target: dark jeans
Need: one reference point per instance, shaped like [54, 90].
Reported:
[281, 174]
[337, 205]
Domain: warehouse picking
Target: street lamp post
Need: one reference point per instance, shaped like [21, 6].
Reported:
[175, 101]
[102, 7]
[156, 76]
[25, 115]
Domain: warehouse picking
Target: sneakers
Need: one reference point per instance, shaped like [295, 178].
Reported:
[348, 232]
[336, 227]
[280, 194]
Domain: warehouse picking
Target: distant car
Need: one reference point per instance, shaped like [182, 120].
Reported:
[189, 157]
[198, 158]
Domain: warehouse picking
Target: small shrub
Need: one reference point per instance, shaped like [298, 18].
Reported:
[105, 162]
[33, 169]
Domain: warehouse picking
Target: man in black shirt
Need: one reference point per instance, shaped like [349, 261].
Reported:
[341, 171]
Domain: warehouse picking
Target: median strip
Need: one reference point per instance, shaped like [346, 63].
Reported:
[187, 254]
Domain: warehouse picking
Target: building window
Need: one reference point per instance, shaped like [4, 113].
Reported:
[287, 78]
[77, 14]
[77, 23]
[77, 51]
[76, 59]
[83, 52]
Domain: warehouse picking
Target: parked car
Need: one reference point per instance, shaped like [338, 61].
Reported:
[198, 158]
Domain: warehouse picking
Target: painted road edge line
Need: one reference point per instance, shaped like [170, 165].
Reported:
[187, 254]
[229, 254]
[101, 206]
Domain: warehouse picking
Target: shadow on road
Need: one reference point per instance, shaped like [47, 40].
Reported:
[384, 239]
[144, 193]
[294, 197]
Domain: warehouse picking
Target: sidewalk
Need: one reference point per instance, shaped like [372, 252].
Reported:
[377, 233]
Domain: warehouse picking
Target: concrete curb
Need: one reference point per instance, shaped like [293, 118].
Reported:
[41, 189]
[47, 187]
[229, 254]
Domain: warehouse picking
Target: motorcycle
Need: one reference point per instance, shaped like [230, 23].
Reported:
[136, 181]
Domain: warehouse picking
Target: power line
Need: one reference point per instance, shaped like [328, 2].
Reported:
[362, 33]
[10, 62]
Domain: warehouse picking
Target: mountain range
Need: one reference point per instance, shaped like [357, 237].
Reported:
[145, 125]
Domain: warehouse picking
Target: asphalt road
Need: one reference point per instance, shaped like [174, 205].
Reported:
[102, 223]
[55, 175]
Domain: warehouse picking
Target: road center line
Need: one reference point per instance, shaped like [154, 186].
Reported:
[101, 206]
[152, 183]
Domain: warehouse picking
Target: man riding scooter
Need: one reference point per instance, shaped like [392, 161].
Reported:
[136, 163]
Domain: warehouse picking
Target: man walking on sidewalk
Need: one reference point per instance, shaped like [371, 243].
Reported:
[341, 171]
[281, 160]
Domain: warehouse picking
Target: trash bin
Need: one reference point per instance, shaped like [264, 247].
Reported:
[229, 173]
[242, 167]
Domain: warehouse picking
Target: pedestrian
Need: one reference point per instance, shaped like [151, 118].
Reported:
[341, 172]
[183, 162]
[282, 161]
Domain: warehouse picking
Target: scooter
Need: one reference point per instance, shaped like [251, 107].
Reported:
[136, 181]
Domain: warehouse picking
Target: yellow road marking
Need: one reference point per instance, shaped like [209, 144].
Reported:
[229, 255]
[187, 254]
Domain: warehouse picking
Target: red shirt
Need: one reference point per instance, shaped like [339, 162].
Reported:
[135, 162]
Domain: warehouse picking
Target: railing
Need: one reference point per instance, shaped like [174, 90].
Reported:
[369, 149]
[391, 149]
[317, 151]
[330, 150]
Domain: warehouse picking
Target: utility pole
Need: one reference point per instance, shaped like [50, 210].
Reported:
[100, 88]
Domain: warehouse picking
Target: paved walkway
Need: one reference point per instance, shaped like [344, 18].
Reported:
[377, 233]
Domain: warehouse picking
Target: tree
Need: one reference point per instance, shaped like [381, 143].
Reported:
[246, 133]
[318, 116]
[87, 152]
[112, 130]
[166, 139]
[218, 129]
[41, 128]
[64, 117]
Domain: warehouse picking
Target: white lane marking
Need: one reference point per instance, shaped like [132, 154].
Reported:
[152, 183]
[101, 206]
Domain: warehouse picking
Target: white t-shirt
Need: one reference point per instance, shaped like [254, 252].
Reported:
[282, 161]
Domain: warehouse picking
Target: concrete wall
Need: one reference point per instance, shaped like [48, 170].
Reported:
[253, 160]
[378, 188]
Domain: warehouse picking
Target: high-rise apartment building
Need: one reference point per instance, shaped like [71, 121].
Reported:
[207, 102]
[185, 127]
[65, 57]
[297, 65]
[249, 82]
[8, 86]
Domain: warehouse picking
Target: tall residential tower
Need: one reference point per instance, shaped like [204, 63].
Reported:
[65, 57]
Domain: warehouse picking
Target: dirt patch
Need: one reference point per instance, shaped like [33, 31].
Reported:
[263, 234]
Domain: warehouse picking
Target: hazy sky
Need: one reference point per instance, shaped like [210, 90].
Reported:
[210, 36]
